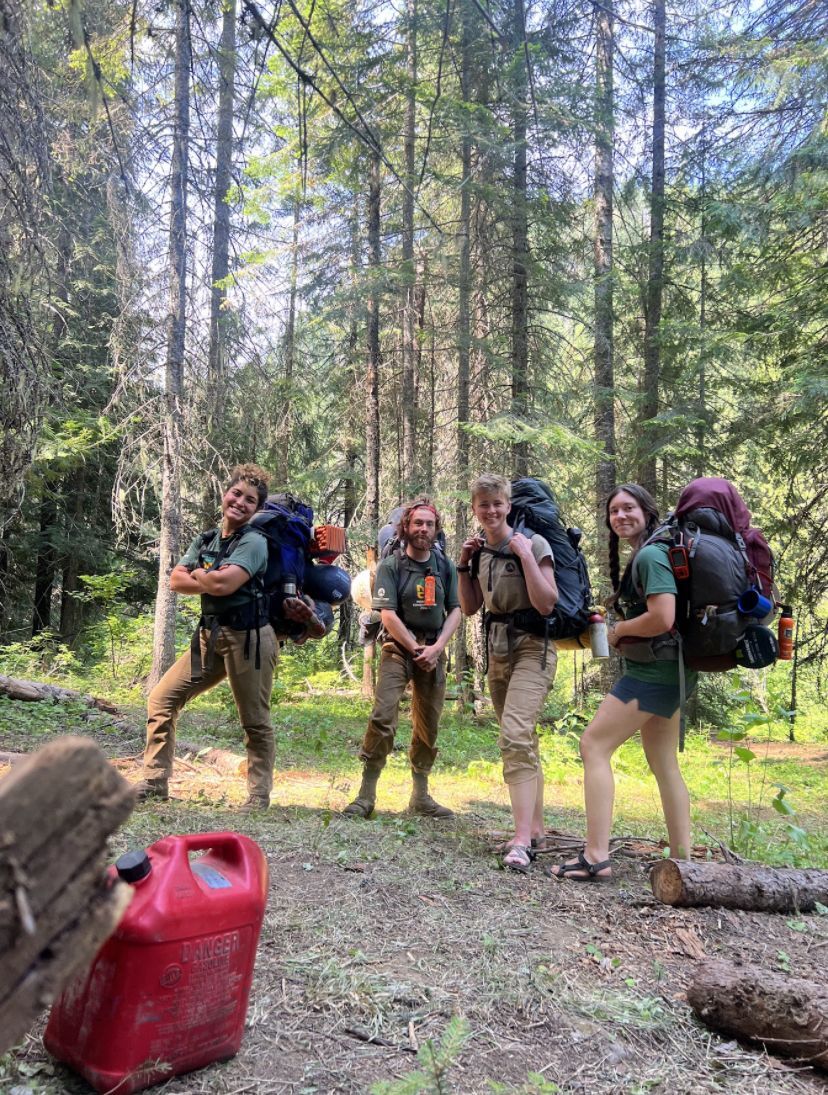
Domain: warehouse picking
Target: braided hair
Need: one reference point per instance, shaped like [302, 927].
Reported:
[650, 510]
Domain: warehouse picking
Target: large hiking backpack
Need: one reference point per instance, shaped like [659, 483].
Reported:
[717, 558]
[287, 525]
[535, 510]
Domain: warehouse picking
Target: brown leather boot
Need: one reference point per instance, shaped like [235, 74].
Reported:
[421, 802]
[363, 804]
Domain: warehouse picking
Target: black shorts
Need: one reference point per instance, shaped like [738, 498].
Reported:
[653, 699]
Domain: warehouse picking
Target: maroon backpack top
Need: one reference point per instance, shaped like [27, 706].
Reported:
[721, 495]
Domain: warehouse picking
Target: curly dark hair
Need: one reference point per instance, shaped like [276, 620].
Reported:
[650, 508]
[254, 475]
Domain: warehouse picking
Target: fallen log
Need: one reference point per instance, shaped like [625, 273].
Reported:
[19, 689]
[229, 764]
[787, 1015]
[57, 905]
[730, 886]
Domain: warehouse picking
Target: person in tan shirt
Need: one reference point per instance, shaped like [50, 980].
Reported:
[511, 575]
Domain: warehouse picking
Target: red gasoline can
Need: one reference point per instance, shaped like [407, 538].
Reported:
[168, 991]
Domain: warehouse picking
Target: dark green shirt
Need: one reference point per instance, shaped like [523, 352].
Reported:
[655, 575]
[250, 553]
[399, 585]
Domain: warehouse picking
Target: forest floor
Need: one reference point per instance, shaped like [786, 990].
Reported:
[398, 947]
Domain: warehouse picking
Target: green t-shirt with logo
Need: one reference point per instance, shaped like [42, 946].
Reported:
[655, 575]
[250, 553]
[399, 586]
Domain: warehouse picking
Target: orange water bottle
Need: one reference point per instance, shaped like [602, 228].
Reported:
[787, 623]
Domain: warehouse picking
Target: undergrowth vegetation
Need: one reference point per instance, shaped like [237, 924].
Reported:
[752, 788]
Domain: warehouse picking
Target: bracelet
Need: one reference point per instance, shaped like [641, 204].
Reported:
[463, 569]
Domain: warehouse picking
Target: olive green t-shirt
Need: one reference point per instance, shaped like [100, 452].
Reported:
[504, 588]
[250, 553]
[655, 575]
[399, 585]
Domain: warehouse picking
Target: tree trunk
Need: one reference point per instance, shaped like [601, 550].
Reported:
[45, 563]
[163, 652]
[409, 287]
[216, 359]
[71, 609]
[701, 413]
[520, 241]
[217, 349]
[604, 382]
[648, 433]
[723, 885]
[372, 425]
[289, 355]
[463, 323]
[787, 1015]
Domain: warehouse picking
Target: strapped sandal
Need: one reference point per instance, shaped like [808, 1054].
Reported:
[518, 858]
[567, 870]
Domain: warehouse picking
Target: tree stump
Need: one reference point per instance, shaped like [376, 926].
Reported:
[725, 885]
[787, 1015]
[57, 903]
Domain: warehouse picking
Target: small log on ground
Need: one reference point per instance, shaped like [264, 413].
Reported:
[229, 764]
[728, 886]
[787, 1015]
[57, 905]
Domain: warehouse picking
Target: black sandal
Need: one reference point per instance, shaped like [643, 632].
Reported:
[566, 870]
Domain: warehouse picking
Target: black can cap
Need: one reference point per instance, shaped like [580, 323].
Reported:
[133, 866]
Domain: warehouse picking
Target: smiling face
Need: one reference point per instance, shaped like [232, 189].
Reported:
[626, 516]
[491, 510]
[421, 530]
[239, 503]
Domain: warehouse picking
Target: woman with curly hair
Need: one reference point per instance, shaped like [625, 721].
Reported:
[234, 640]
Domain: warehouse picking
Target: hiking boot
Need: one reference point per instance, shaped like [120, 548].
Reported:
[254, 804]
[363, 804]
[421, 802]
[426, 806]
[149, 790]
[360, 807]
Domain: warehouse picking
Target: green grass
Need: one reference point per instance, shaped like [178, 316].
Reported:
[319, 721]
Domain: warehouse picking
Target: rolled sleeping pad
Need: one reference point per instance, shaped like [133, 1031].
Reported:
[326, 583]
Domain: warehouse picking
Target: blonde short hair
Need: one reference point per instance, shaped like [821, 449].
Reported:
[489, 483]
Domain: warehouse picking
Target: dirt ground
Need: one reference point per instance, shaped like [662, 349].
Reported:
[378, 933]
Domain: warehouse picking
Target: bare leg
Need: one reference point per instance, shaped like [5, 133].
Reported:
[659, 736]
[538, 827]
[613, 724]
[523, 797]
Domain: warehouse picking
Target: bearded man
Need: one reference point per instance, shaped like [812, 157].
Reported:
[415, 592]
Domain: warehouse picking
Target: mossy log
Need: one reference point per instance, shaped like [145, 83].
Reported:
[57, 903]
[726, 885]
[787, 1015]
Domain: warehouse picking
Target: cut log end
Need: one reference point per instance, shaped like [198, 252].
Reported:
[665, 879]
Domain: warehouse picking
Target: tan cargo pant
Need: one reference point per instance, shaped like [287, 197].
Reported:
[518, 688]
[251, 691]
[428, 693]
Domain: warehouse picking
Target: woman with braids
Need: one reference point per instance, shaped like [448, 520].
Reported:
[646, 698]
[234, 640]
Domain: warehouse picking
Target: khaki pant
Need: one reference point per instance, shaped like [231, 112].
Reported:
[518, 688]
[428, 692]
[251, 691]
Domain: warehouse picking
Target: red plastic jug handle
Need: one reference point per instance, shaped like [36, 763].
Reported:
[231, 844]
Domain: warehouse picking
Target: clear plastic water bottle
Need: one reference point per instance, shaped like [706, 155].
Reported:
[598, 642]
